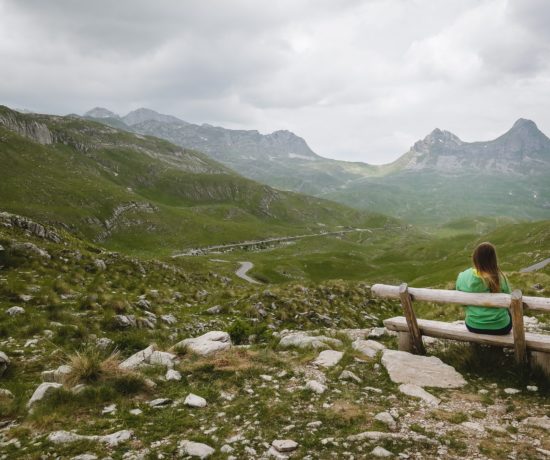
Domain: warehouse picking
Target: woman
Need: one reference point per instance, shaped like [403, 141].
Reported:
[485, 277]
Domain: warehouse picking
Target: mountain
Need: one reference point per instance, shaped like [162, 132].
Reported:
[280, 159]
[441, 177]
[140, 193]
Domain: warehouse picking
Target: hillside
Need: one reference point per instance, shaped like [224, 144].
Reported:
[139, 193]
[441, 178]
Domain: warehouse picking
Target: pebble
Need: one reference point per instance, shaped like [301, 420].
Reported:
[285, 445]
[511, 391]
[316, 386]
[172, 374]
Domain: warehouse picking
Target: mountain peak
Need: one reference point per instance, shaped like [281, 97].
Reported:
[100, 112]
[522, 123]
[442, 136]
[143, 114]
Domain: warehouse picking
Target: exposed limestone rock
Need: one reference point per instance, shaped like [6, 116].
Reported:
[160, 402]
[125, 321]
[284, 445]
[168, 319]
[42, 390]
[172, 374]
[193, 400]
[111, 440]
[316, 386]
[348, 375]
[5, 394]
[422, 371]
[303, 340]
[4, 362]
[206, 344]
[163, 358]
[539, 422]
[418, 392]
[368, 348]
[58, 375]
[195, 449]
[328, 358]
[138, 358]
[27, 224]
[387, 419]
[100, 265]
[381, 452]
[15, 311]
[30, 248]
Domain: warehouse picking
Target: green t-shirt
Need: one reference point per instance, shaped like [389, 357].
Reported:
[482, 317]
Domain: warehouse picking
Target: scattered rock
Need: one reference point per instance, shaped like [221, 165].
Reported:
[532, 388]
[30, 248]
[172, 374]
[42, 390]
[422, 371]
[143, 304]
[5, 394]
[316, 386]
[193, 400]
[206, 344]
[15, 311]
[303, 340]
[387, 419]
[160, 402]
[168, 319]
[418, 392]
[473, 426]
[125, 321]
[163, 358]
[58, 375]
[348, 375]
[284, 445]
[215, 310]
[381, 452]
[539, 422]
[368, 348]
[110, 409]
[135, 412]
[104, 343]
[4, 362]
[511, 391]
[85, 457]
[112, 440]
[138, 358]
[328, 358]
[100, 265]
[195, 449]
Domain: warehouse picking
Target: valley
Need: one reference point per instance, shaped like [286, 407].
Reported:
[120, 251]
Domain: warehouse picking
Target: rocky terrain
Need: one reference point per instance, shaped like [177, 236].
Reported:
[106, 356]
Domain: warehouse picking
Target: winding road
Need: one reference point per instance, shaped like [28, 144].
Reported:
[537, 266]
[242, 272]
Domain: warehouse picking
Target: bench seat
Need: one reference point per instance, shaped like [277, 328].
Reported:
[441, 330]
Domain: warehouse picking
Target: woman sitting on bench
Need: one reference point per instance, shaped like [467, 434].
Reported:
[486, 276]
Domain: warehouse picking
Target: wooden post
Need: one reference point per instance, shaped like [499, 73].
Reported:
[516, 307]
[416, 336]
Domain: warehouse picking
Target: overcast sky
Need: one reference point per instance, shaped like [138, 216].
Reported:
[359, 80]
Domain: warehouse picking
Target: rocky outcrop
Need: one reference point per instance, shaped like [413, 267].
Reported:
[111, 440]
[24, 223]
[26, 127]
[206, 344]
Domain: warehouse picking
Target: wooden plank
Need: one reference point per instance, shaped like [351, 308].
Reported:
[438, 329]
[415, 335]
[517, 327]
[462, 298]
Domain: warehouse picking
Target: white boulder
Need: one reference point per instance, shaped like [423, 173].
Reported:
[193, 400]
[195, 449]
[302, 339]
[328, 358]
[206, 344]
[42, 390]
[368, 348]
[418, 392]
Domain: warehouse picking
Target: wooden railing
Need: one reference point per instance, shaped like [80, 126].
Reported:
[515, 302]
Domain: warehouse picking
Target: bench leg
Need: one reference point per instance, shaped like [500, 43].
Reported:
[405, 342]
[541, 360]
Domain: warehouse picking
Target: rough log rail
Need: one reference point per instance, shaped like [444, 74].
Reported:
[462, 298]
[411, 330]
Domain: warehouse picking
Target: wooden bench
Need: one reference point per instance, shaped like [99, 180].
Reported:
[529, 347]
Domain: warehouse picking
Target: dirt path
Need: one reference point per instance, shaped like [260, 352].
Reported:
[243, 269]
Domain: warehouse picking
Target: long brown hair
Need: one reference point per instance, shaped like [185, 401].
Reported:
[486, 264]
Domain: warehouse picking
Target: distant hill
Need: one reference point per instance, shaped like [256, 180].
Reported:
[440, 178]
[140, 193]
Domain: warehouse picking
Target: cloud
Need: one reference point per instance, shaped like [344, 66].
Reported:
[360, 80]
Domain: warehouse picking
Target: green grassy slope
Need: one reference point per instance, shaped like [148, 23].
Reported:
[170, 198]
